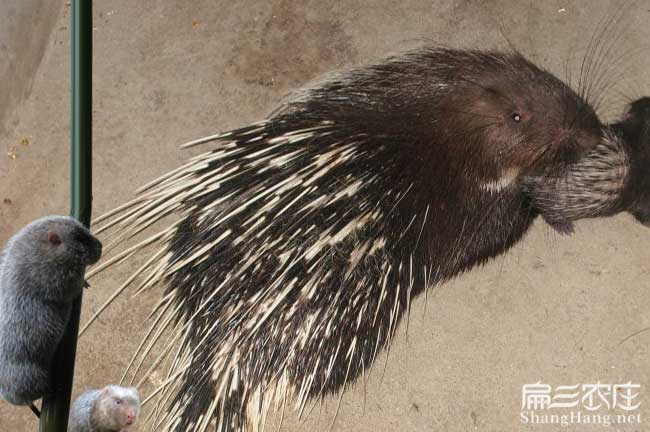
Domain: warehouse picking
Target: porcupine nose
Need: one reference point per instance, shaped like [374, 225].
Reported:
[573, 144]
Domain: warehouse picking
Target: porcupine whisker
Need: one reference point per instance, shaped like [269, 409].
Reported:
[599, 55]
[586, 60]
[607, 55]
[540, 153]
[615, 34]
[613, 80]
[603, 82]
[592, 53]
[568, 78]
[625, 93]
[565, 113]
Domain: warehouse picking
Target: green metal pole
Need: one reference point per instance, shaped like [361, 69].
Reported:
[56, 407]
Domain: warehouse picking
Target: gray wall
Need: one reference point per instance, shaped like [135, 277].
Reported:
[24, 34]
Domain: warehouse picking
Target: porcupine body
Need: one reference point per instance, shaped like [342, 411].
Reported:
[300, 240]
[614, 177]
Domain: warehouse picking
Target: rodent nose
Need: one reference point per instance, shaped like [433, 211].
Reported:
[95, 251]
[130, 418]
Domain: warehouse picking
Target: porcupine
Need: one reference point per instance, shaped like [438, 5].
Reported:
[300, 240]
[614, 177]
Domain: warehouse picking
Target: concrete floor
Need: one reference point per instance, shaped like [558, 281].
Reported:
[556, 310]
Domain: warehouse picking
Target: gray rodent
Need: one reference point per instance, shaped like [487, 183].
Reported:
[301, 239]
[109, 409]
[614, 177]
[41, 273]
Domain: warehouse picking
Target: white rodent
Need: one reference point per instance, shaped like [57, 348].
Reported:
[110, 409]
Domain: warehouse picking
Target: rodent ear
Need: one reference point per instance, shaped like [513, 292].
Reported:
[54, 238]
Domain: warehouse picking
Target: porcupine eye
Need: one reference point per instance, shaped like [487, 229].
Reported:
[118, 401]
[516, 117]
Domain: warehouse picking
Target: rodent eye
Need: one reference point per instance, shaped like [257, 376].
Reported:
[118, 401]
[54, 238]
[516, 117]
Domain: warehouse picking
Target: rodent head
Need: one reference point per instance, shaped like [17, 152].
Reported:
[117, 408]
[532, 122]
[63, 240]
[636, 131]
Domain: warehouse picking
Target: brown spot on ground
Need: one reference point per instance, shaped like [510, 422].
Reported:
[290, 47]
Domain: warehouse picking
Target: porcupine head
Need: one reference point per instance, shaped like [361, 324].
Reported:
[612, 178]
[530, 121]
